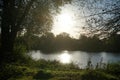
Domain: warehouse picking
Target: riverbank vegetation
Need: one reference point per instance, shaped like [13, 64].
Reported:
[50, 43]
[27, 25]
[23, 67]
[53, 70]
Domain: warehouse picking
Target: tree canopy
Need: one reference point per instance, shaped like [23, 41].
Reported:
[29, 15]
[103, 16]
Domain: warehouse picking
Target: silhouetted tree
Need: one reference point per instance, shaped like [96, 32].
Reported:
[14, 15]
[63, 41]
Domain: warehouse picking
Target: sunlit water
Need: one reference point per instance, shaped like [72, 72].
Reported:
[78, 58]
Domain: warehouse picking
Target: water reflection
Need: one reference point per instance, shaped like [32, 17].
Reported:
[65, 57]
[77, 57]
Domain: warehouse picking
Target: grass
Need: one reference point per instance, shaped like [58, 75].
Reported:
[53, 70]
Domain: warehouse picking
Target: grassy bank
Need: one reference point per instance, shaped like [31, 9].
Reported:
[53, 70]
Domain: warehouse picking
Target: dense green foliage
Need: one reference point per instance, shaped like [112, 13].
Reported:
[50, 43]
[53, 70]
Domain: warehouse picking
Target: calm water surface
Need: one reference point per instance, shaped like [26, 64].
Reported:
[77, 57]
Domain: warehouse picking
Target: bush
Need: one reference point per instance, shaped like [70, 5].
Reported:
[13, 71]
[93, 75]
[43, 75]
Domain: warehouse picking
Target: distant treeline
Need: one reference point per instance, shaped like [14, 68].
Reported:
[51, 43]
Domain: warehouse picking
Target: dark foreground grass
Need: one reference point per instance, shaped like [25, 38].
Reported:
[47, 70]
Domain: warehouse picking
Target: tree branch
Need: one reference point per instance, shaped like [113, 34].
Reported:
[26, 11]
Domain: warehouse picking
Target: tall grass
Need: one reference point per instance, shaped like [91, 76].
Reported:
[28, 69]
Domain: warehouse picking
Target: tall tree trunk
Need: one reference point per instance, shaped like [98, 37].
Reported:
[10, 26]
[6, 39]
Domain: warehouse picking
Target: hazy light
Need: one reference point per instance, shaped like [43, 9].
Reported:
[118, 32]
[65, 58]
[66, 21]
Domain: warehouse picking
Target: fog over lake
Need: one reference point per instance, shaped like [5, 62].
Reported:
[77, 57]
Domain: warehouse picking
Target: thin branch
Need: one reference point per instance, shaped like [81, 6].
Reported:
[26, 11]
[102, 13]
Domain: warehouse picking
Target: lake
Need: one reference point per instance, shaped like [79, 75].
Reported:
[78, 58]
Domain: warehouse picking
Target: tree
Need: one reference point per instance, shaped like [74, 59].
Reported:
[107, 17]
[11, 23]
[101, 16]
[14, 13]
[63, 41]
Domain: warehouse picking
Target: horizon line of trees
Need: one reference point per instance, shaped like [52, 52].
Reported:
[50, 43]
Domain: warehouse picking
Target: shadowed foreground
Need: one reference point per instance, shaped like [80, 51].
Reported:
[53, 70]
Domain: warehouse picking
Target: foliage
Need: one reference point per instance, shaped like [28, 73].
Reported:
[65, 72]
[20, 16]
[113, 69]
[52, 70]
[49, 43]
[35, 18]
[43, 75]
[93, 75]
[15, 71]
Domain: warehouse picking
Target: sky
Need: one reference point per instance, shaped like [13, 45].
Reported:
[67, 21]
[79, 12]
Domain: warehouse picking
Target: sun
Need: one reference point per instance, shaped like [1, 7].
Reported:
[65, 58]
[64, 22]
[70, 20]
